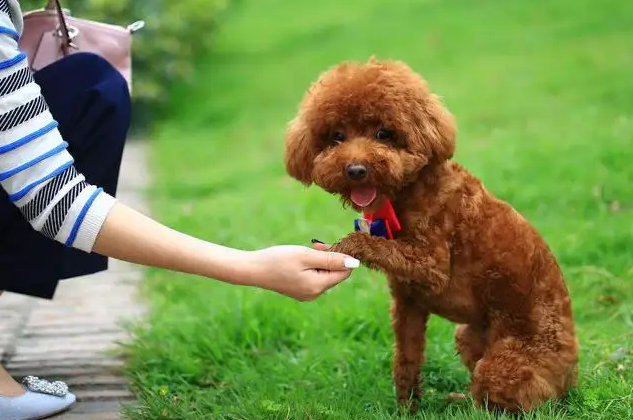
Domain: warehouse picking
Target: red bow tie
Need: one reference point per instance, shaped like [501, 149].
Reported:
[383, 221]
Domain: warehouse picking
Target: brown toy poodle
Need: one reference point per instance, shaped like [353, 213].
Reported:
[375, 135]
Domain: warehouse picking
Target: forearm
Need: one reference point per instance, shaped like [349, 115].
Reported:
[130, 236]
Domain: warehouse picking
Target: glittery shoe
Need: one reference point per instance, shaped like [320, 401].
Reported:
[41, 400]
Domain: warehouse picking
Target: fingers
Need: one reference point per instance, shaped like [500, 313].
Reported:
[317, 282]
[318, 245]
[348, 262]
[330, 279]
[321, 246]
[331, 261]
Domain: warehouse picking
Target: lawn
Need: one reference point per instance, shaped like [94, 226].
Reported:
[542, 92]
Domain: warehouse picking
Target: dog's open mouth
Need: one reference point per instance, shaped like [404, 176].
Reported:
[364, 197]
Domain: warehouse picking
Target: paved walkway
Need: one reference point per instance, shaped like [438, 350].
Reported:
[67, 338]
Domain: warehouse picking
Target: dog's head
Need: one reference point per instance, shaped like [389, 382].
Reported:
[365, 130]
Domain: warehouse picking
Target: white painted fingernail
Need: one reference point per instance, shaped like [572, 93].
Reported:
[351, 263]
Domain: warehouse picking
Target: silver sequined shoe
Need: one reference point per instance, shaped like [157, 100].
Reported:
[41, 400]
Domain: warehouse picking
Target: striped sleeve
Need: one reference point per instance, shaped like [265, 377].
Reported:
[36, 170]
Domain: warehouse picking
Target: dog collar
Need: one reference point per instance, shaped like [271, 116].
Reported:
[383, 222]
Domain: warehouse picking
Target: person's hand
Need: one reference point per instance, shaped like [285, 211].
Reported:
[299, 272]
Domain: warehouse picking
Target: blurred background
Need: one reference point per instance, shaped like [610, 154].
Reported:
[543, 95]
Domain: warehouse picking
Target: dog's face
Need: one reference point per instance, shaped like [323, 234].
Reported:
[364, 131]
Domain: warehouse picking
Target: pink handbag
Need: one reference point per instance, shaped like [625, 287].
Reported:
[51, 33]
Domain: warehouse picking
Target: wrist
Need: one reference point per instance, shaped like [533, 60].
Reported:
[229, 265]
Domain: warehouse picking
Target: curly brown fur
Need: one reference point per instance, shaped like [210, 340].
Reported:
[462, 253]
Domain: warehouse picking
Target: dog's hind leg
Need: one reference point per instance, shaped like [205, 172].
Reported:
[471, 344]
[520, 375]
[409, 325]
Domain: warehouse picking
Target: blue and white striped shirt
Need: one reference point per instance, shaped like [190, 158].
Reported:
[36, 170]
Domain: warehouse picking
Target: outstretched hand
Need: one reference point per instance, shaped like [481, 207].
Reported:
[299, 272]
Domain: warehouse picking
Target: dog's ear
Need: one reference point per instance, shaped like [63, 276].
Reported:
[439, 130]
[299, 151]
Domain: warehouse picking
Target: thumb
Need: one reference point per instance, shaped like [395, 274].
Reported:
[331, 261]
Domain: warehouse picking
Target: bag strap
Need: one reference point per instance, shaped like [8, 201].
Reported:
[63, 27]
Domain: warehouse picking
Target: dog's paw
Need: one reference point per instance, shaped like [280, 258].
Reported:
[354, 245]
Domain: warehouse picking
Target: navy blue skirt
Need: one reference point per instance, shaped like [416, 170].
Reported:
[91, 102]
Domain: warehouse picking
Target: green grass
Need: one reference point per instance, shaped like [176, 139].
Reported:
[543, 95]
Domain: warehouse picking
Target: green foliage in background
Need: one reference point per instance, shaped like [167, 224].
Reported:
[165, 49]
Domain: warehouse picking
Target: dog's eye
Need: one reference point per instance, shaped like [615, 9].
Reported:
[384, 134]
[337, 136]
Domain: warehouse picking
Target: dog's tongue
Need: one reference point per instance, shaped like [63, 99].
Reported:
[363, 197]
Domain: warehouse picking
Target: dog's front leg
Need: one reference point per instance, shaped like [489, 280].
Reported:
[409, 325]
[427, 263]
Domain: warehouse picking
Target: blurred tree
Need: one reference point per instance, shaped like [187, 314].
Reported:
[164, 50]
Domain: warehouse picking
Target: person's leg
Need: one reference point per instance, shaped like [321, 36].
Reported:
[8, 387]
[90, 100]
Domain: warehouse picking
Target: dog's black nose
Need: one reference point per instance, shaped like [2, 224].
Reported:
[356, 172]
